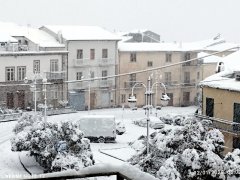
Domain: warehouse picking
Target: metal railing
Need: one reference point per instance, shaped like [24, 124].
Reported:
[55, 75]
[121, 172]
[94, 62]
[222, 124]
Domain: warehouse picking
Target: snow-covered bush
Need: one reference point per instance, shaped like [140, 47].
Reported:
[184, 149]
[232, 163]
[53, 143]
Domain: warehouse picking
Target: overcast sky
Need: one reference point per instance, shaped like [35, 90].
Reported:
[174, 20]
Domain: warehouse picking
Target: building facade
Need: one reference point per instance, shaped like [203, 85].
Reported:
[180, 80]
[92, 54]
[28, 58]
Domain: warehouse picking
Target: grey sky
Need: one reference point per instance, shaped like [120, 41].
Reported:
[180, 20]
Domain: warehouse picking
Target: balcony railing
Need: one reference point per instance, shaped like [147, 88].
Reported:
[189, 82]
[170, 83]
[130, 84]
[94, 62]
[222, 124]
[121, 172]
[105, 83]
[59, 75]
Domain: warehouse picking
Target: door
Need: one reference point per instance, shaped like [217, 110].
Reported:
[236, 116]
[92, 100]
[77, 100]
[170, 103]
[105, 99]
[10, 102]
[21, 99]
[209, 107]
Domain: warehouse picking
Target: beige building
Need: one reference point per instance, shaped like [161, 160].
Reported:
[221, 101]
[180, 80]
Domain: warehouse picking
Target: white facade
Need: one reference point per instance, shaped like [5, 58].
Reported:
[85, 40]
[15, 66]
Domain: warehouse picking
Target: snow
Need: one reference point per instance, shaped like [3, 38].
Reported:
[35, 35]
[82, 32]
[209, 59]
[9, 163]
[175, 46]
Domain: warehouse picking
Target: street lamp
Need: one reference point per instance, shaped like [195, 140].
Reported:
[148, 100]
[45, 98]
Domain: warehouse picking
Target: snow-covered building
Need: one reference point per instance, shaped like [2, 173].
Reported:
[221, 100]
[181, 80]
[24, 52]
[92, 53]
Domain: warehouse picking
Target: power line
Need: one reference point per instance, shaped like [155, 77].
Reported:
[152, 69]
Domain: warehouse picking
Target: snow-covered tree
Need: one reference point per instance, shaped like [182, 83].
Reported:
[185, 148]
[53, 143]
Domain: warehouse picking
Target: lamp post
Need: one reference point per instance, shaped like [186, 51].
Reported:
[148, 101]
[44, 81]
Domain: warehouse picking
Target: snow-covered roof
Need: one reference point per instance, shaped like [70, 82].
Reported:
[222, 47]
[210, 58]
[225, 79]
[175, 46]
[82, 32]
[35, 35]
[5, 37]
[144, 46]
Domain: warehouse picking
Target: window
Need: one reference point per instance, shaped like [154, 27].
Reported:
[198, 75]
[54, 65]
[186, 98]
[168, 77]
[209, 107]
[92, 54]
[78, 75]
[123, 98]
[36, 66]
[104, 74]
[187, 77]
[104, 53]
[21, 73]
[132, 79]
[10, 74]
[149, 63]
[168, 57]
[92, 75]
[79, 54]
[133, 57]
[187, 56]
[54, 94]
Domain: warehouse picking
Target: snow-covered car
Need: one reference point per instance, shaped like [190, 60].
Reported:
[120, 128]
[154, 122]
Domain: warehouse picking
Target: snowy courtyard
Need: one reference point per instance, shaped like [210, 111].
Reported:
[113, 153]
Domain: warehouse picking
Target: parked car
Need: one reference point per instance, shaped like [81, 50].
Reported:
[120, 128]
[154, 122]
[98, 128]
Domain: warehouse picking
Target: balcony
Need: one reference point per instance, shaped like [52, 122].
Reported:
[222, 124]
[189, 82]
[130, 84]
[59, 75]
[170, 83]
[94, 62]
[105, 83]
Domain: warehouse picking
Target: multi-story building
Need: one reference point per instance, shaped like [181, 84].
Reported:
[92, 53]
[221, 101]
[29, 52]
[180, 80]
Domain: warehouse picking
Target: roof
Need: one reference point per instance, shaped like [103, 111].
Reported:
[225, 79]
[82, 32]
[5, 37]
[144, 46]
[175, 46]
[35, 35]
[210, 58]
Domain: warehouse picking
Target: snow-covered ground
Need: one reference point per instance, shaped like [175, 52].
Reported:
[114, 153]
